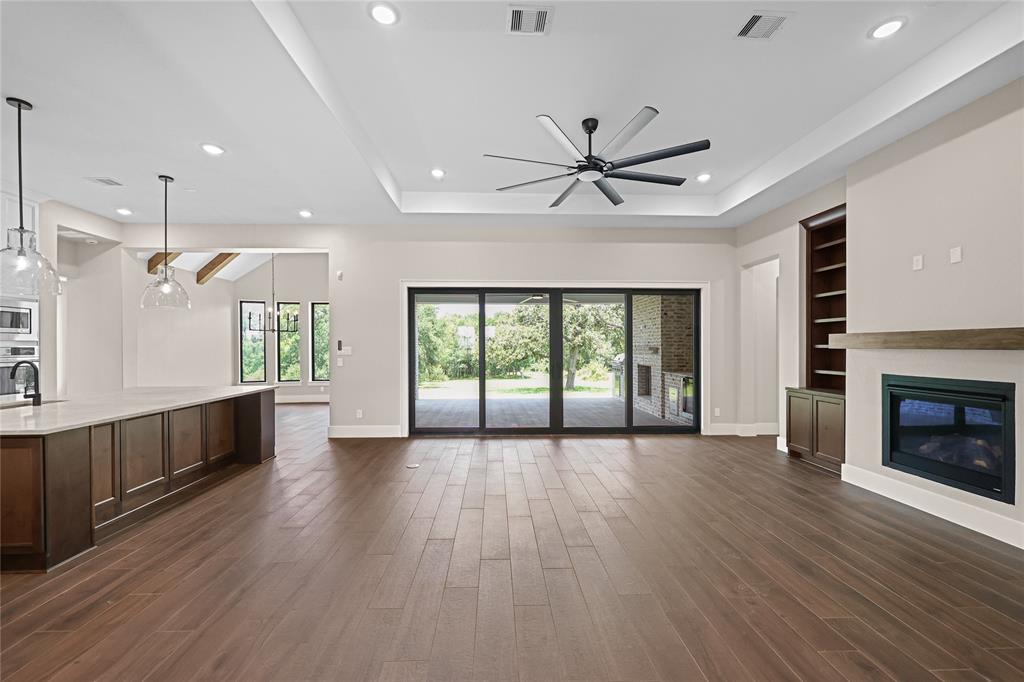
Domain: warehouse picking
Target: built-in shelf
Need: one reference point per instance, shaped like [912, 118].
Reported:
[830, 372]
[834, 242]
[829, 320]
[828, 294]
[993, 338]
[825, 346]
[826, 268]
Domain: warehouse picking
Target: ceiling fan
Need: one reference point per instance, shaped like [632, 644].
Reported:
[598, 168]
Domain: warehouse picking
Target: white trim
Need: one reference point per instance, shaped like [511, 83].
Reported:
[316, 398]
[745, 430]
[781, 445]
[377, 431]
[977, 519]
[403, 293]
[721, 429]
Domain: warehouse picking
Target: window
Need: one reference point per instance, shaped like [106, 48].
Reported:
[288, 363]
[320, 341]
[252, 345]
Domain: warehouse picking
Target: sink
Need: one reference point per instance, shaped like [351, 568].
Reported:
[22, 402]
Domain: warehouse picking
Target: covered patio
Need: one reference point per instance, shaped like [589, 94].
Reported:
[532, 412]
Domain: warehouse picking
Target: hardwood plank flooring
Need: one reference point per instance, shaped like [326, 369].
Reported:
[539, 558]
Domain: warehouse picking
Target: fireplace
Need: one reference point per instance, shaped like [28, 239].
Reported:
[952, 431]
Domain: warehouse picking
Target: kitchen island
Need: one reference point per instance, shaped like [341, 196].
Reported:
[73, 472]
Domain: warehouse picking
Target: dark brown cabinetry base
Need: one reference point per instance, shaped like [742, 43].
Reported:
[816, 426]
[66, 490]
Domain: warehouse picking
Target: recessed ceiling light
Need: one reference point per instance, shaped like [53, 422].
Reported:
[384, 13]
[212, 149]
[437, 173]
[189, 189]
[124, 211]
[703, 177]
[305, 213]
[888, 27]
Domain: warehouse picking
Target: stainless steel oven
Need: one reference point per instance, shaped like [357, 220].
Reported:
[10, 354]
[19, 320]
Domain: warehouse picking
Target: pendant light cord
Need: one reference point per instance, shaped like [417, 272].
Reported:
[21, 196]
[165, 230]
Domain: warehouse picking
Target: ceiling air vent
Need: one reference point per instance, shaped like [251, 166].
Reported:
[109, 182]
[762, 25]
[525, 20]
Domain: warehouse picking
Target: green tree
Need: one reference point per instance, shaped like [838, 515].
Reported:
[591, 334]
[288, 363]
[321, 342]
[520, 341]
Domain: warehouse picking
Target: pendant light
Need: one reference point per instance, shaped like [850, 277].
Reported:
[164, 291]
[23, 270]
[275, 322]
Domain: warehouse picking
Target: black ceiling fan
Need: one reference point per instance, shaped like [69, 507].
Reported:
[597, 168]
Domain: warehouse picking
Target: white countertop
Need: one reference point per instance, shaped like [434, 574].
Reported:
[107, 407]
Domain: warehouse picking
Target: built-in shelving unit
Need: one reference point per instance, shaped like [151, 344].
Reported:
[826, 298]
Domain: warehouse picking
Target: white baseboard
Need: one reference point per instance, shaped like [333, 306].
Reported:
[315, 398]
[756, 429]
[377, 431]
[977, 519]
[780, 444]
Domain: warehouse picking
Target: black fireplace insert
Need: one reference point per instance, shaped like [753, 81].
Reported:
[952, 431]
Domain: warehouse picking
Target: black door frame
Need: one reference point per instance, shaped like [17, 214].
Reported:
[555, 400]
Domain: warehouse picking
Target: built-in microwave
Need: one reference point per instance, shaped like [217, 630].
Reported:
[19, 320]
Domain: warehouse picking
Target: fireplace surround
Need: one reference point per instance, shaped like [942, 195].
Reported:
[953, 431]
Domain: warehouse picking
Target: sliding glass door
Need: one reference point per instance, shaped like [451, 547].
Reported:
[554, 360]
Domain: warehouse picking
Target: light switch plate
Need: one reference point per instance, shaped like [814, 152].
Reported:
[956, 254]
[346, 350]
[341, 362]
[918, 262]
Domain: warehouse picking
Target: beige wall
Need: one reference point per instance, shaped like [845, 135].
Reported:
[957, 182]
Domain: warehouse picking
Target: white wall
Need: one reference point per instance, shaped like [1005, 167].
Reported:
[957, 182]
[302, 278]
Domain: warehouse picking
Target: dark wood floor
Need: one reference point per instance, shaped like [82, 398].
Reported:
[625, 558]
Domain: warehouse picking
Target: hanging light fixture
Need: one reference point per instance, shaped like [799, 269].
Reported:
[275, 322]
[23, 270]
[165, 291]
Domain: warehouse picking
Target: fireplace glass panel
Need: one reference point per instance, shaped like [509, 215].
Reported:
[964, 436]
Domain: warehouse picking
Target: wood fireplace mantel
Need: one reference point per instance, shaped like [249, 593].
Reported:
[993, 338]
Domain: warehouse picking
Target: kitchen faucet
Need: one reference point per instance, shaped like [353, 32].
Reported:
[37, 397]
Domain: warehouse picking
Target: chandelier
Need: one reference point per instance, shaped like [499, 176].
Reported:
[274, 321]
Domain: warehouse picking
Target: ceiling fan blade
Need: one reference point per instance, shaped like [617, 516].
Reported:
[565, 195]
[645, 177]
[628, 132]
[513, 158]
[534, 182]
[561, 138]
[609, 191]
[667, 153]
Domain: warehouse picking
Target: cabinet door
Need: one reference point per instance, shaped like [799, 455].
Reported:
[105, 451]
[829, 432]
[144, 464]
[220, 419]
[187, 457]
[21, 495]
[799, 410]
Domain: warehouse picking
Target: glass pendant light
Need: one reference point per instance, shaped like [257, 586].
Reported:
[165, 291]
[23, 270]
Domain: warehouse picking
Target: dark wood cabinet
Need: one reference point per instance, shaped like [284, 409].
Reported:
[826, 297]
[21, 496]
[816, 426]
[105, 446]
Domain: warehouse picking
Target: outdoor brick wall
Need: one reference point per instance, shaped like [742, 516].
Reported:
[663, 330]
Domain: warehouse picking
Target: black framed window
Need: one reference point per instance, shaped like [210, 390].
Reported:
[252, 345]
[289, 361]
[320, 341]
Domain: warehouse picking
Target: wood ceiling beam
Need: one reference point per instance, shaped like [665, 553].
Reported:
[215, 265]
[157, 259]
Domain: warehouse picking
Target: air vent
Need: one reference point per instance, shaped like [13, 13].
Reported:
[109, 182]
[762, 26]
[531, 21]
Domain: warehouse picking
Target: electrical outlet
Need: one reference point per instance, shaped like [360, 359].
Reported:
[718, 412]
[918, 262]
[956, 254]
[359, 414]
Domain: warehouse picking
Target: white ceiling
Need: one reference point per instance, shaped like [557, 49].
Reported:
[321, 108]
[193, 261]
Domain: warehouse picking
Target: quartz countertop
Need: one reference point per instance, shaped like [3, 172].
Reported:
[107, 407]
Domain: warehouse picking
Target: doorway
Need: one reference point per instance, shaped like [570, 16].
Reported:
[512, 360]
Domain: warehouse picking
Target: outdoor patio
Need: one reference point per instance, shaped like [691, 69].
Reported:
[528, 412]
